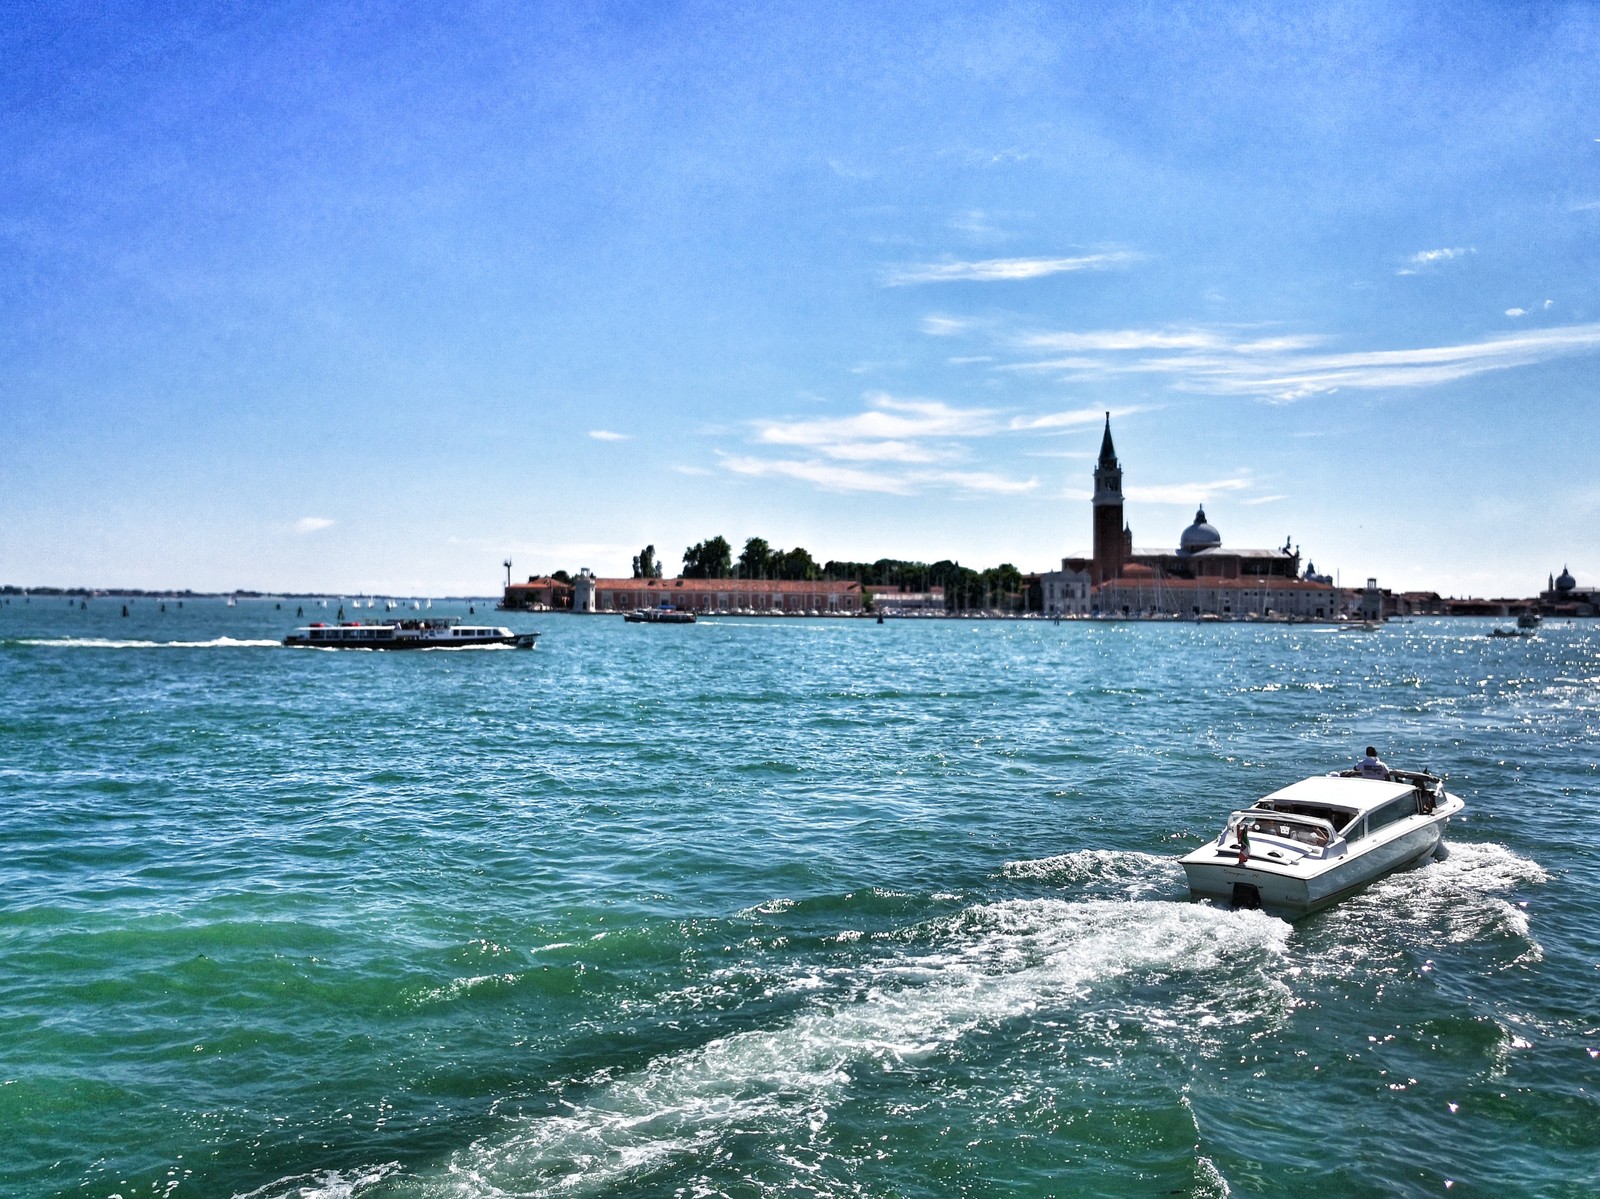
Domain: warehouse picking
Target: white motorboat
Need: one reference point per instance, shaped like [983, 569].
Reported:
[1311, 844]
[434, 633]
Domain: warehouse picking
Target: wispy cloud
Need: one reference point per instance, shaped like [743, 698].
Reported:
[1185, 493]
[935, 325]
[891, 429]
[898, 446]
[1065, 420]
[991, 270]
[1426, 259]
[1284, 369]
[827, 475]
[311, 524]
[608, 435]
[1516, 312]
[830, 476]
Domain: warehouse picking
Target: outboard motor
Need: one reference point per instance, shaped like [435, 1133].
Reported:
[1246, 897]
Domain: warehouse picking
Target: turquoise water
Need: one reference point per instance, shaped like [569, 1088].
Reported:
[798, 908]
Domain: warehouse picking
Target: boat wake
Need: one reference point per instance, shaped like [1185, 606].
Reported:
[1457, 899]
[119, 643]
[1071, 967]
[1104, 872]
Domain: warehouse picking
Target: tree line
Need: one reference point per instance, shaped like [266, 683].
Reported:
[995, 587]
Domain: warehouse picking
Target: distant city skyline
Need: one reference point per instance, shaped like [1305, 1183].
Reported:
[350, 299]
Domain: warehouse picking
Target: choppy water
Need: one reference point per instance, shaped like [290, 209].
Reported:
[795, 908]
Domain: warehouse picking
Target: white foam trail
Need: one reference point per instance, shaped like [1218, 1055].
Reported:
[1462, 897]
[1137, 875]
[324, 1184]
[114, 643]
[1000, 962]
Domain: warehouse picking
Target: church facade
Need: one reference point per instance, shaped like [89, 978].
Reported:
[1200, 577]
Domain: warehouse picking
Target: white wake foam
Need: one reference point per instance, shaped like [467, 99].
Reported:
[991, 964]
[116, 643]
[1461, 898]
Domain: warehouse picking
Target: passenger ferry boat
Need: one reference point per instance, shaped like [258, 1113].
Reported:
[665, 614]
[1324, 838]
[433, 633]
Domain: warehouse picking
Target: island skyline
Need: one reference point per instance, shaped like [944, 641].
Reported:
[555, 285]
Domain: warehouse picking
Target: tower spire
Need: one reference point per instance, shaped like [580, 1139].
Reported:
[1110, 534]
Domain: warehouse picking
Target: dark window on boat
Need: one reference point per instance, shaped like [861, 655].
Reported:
[1394, 810]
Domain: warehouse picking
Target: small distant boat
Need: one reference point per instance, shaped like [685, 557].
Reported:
[232, 603]
[1528, 620]
[1509, 633]
[665, 614]
[1324, 838]
[447, 633]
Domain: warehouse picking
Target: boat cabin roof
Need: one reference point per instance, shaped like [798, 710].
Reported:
[1346, 794]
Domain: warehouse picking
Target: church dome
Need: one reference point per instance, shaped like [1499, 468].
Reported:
[1566, 582]
[1199, 536]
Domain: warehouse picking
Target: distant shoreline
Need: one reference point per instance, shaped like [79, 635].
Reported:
[10, 591]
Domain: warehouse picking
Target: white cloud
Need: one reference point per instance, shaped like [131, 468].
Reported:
[1516, 312]
[1264, 499]
[1184, 493]
[1064, 420]
[608, 435]
[895, 446]
[888, 429]
[992, 270]
[311, 524]
[1425, 259]
[946, 326]
[1124, 339]
[832, 477]
[826, 475]
[1278, 370]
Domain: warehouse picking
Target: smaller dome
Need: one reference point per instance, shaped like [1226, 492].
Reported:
[1199, 536]
[1565, 582]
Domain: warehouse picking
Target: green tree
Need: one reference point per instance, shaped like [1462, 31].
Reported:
[795, 564]
[645, 565]
[756, 560]
[710, 559]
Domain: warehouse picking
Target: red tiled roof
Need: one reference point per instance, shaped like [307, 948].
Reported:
[1246, 583]
[766, 586]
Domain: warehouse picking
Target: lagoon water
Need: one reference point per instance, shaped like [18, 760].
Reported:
[797, 908]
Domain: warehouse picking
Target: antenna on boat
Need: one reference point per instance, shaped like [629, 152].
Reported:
[508, 571]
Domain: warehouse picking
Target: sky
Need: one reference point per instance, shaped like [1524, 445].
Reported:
[354, 297]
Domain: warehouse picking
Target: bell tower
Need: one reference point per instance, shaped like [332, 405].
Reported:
[1110, 546]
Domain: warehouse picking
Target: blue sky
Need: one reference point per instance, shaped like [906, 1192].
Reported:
[365, 297]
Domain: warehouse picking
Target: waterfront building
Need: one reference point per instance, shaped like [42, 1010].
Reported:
[1065, 592]
[1200, 577]
[1563, 597]
[765, 597]
[538, 594]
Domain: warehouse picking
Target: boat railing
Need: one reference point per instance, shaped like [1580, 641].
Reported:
[1313, 832]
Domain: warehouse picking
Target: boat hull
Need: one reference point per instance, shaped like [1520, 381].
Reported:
[1298, 890]
[516, 641]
